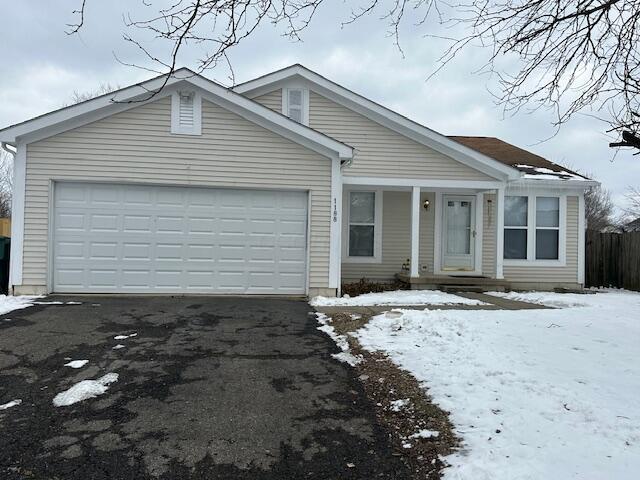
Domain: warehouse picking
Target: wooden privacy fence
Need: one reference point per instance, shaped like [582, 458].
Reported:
[613, 260]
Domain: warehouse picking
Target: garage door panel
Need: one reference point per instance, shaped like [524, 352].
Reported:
[123, 238]
[70, 222]
[136, 251]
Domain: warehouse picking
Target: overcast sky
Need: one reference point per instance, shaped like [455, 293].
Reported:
[42, 66]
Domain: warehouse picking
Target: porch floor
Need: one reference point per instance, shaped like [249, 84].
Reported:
[451, 283]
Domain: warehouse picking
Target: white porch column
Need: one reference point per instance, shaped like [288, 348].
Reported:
[499, 232]
[415, 232]
[335, 241]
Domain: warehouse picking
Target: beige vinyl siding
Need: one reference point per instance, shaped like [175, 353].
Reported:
[380, 151]
[136, 146]
[489, 236]
[532, 274]
[272, 100]
[396, 239]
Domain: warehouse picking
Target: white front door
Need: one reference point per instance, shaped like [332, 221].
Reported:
[458, 233]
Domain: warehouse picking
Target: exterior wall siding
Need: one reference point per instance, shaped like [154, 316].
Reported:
[489, 236]
[396, 239]
[272, 100]
[380, 151]
[136, 146]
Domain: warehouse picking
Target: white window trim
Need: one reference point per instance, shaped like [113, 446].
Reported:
[178, 129]
[305, 102]
[531, 231]
[377, 227]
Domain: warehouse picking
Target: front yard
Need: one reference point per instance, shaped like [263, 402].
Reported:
[531, 393]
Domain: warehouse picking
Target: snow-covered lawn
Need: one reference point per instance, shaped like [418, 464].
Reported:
[534, 394]
[398, 297]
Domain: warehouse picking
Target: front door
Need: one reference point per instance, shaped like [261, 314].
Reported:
[458, 233]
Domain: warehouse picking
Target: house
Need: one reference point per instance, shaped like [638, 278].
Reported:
[632, 226]
[286, 184]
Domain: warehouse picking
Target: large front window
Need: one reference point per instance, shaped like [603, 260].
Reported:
[532, 228]
[362, 224]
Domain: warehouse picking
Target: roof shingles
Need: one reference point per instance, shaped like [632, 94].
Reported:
[516, 157]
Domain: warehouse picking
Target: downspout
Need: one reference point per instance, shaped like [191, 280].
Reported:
[5, 147]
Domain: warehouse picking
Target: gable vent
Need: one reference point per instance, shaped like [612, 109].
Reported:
[186, 111]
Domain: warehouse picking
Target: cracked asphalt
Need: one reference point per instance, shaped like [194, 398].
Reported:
[210, 387]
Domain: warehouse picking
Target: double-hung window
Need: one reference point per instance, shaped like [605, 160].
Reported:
[547, 228]
[533, 228]
[515, 227]
[363, 224]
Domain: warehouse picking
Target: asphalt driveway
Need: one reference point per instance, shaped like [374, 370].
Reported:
[208, 388]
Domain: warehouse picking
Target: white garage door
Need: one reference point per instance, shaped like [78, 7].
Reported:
[148, 239]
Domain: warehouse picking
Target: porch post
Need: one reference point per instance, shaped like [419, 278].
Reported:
[499, 232]
[415, 232]
[335, 229]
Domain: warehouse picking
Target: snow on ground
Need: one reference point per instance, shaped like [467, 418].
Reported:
[124, 337]
[397, 405]
[9, 303]
[10, 404]
[76, 363]
[84, 390]
[593, 298]
[425, 434]
[533, 393]
[341, 341]
[398, 297]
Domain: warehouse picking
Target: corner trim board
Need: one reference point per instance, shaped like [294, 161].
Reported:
[581, 239]
[17, 215]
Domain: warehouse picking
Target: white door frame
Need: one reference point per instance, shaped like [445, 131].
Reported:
[478, 199]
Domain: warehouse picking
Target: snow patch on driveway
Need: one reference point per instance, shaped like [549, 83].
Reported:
[398, 297]
[84, 390]
[124, 337]
[76, 363]
[12, 403]
[532, 393]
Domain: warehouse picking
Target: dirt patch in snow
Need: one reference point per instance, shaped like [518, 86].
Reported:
[388, 386]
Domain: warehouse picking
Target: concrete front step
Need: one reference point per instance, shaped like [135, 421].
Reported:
[453, 284]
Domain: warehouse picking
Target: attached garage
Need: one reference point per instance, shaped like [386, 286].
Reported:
[156, 239]
[195, 189]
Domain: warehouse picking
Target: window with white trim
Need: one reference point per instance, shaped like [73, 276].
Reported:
[362, 224]
[186, 113]
[547, 228]
[532, 228]
[515, 227]
[295, 104]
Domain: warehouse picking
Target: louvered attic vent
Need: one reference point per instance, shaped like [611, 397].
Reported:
[186, 113]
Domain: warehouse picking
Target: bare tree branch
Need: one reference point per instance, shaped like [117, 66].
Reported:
[572, 56]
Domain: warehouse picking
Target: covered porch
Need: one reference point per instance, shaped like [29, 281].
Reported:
[426, 233]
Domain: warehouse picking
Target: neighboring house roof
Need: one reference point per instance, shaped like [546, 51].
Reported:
[382, 115]
[525, 161]
[632, 226]
[100, 107]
